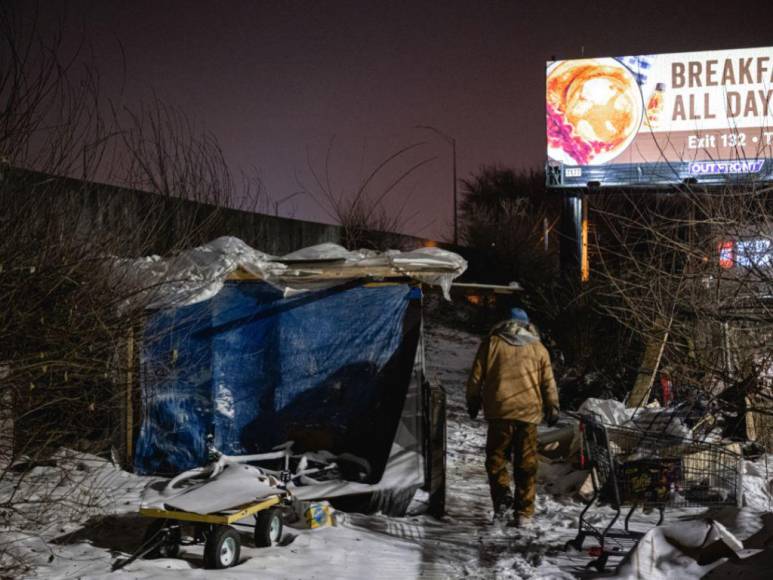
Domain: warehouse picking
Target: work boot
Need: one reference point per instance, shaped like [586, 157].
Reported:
[502, 508]
[501, 512]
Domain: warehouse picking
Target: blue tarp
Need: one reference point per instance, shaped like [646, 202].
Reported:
[328, 369]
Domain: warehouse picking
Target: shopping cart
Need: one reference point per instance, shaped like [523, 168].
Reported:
[652, 470]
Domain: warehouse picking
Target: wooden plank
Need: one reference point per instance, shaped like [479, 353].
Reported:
[496, 288]
[340, 272]
[129, 414]
[653, 352]
[438, 451]
[248, 511]
[219, 518]
[6, 421]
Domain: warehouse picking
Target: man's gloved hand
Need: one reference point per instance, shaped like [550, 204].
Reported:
[551, 416]
[473, 407]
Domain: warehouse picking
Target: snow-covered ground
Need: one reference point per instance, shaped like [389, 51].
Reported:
[463, 544]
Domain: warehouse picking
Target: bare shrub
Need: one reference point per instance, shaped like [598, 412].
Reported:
[366, 220]
[675, 264]
[68, 354]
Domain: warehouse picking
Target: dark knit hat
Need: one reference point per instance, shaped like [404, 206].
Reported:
[519, 314]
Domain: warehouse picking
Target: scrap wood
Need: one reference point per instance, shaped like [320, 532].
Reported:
[649, 366]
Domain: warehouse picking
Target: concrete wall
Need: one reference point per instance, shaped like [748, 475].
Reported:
[159, 223]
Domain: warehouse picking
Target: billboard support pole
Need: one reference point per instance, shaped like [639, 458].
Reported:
[571, 248]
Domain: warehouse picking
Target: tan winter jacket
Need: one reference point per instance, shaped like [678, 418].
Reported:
[512, 375]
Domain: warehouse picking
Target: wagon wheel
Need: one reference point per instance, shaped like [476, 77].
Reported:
[169, 547]
[222, 548]
[268, 528]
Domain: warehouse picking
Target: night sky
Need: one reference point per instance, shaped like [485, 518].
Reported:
[276, 81]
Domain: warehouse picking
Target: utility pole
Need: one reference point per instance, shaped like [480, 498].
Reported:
[451, 141]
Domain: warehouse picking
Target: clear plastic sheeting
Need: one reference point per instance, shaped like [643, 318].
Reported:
[649, 419]
[645, 419]
[607, 411]
[198, 274]
[428, 259]
[194, 275]
[327, 251]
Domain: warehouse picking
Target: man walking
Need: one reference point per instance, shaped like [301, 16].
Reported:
[513, 380]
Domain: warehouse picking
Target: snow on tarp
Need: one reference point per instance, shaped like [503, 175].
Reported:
[329, 369]
[198, 274]
[237, 485]
[682, 550]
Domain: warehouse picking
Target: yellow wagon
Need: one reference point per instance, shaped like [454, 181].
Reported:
[222, 542]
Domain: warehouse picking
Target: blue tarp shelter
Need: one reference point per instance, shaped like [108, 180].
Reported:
[328, 369]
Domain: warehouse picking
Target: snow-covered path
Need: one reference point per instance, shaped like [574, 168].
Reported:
[463, 544]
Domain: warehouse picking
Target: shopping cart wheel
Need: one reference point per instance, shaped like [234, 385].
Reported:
[599, 563]
[575, 544]
[167, 539]
[222, 548]
[268, 528]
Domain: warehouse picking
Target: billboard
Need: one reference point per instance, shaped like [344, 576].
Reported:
[661, 119]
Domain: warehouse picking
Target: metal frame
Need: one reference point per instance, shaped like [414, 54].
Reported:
[635, 468]
[204, 524]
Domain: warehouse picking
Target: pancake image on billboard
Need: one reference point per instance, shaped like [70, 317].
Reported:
[660, 119]
[593, 110]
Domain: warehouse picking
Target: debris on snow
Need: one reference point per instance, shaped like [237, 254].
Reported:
[684, 550]
[462, 544]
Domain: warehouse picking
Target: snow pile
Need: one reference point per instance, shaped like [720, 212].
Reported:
[198, 274]
[758, 484]
[56, 498]
[80, 484]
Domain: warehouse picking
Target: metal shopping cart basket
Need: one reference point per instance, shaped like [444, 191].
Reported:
[638, 468]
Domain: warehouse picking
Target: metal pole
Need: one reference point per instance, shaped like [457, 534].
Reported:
[570, 250]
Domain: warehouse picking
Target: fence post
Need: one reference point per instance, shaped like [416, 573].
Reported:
[127, 410]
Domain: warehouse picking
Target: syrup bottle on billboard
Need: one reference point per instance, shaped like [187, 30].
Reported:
[655, 105]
